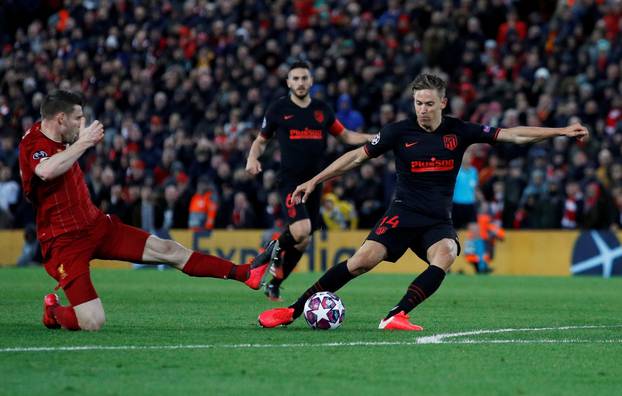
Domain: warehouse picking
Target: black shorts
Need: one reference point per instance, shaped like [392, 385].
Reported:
[463, 214]
[309, 210]
[400, 229]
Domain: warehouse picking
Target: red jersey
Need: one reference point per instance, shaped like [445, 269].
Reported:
[63, 204]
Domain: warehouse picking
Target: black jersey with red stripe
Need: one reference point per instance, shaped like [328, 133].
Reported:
[302, 133]
[427, 163]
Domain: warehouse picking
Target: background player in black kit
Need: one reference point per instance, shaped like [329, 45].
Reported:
[428, 148]
[301, 125]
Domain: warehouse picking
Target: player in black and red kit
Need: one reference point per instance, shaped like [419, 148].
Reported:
[428, 149]
[301, 125]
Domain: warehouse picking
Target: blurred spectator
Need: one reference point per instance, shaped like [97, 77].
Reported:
[184, 195]
[150, 153]
[337, 214]
[540, 205]
[465, 193]
[164, 169]
[536, 187]
[203, 206]
[181, 87]
[95, 184]
[175, 211]
[598, 211]
[513, 191]
[118, 205]
[273, 211]
[479, 247]
[605, 160]
[133, 210]
[617, 201]
[551, 207]
[573, 206]
[512, 29]
[136, 172]
[350, 118]
[242, 215]
[9, 196]
[31, 252]
[104, 196]
[491, 172]
[8, 151]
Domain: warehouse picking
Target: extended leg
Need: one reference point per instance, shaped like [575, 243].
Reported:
[441, 256]
[366, 258]
[201, 265]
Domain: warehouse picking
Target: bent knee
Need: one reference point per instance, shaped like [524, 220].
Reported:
[303, 242]
[301, 231]
[443, 254]
[444, 261]
[447, 255]
[358, 265]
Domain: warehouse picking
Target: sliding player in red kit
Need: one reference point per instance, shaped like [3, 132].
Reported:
[72, 231]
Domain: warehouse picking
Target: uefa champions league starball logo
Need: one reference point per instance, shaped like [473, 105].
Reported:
[324, 311]
[597, 252]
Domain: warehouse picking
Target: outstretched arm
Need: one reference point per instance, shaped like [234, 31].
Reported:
[253, 166]
[524, 134]
[354, 138]
[341, 165]
[59, 163]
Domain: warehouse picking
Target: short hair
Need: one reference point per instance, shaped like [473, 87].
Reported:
[60, 101]
[299, 64]
[429, 81]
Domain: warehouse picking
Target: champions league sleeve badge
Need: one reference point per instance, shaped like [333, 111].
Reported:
[39, 155]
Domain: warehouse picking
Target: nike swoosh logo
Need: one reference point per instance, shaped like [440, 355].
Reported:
[287, 117]
[408, 145]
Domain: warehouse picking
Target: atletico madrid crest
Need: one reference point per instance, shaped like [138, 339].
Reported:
[291, 212]
[319, 116]
[381, 230]
[450, 142]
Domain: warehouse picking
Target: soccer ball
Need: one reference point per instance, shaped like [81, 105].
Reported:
[324, 311]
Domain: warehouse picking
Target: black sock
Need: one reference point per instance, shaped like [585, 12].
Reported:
[290, 260]
[286, 240]
[421, 288]
[334, 279]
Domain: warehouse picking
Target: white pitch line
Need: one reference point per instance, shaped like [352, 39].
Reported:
[200, 346]
[540, 341]
[440, 338]
[445, 338]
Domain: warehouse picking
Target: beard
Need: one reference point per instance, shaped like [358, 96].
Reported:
[71, 136]
[299, 95]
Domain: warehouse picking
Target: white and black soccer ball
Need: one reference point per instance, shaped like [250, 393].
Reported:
[324, 311]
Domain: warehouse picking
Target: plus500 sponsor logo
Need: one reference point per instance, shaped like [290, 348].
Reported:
[433, 165]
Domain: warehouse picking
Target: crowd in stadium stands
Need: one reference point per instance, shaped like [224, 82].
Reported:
[182, 86]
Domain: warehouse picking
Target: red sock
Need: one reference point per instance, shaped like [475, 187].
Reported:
[66, 317]
[204, 265]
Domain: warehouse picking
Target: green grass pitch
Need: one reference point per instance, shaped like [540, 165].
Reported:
[170, 334]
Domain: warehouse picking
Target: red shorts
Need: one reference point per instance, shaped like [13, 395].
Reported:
[80, 290]
[67, 257]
